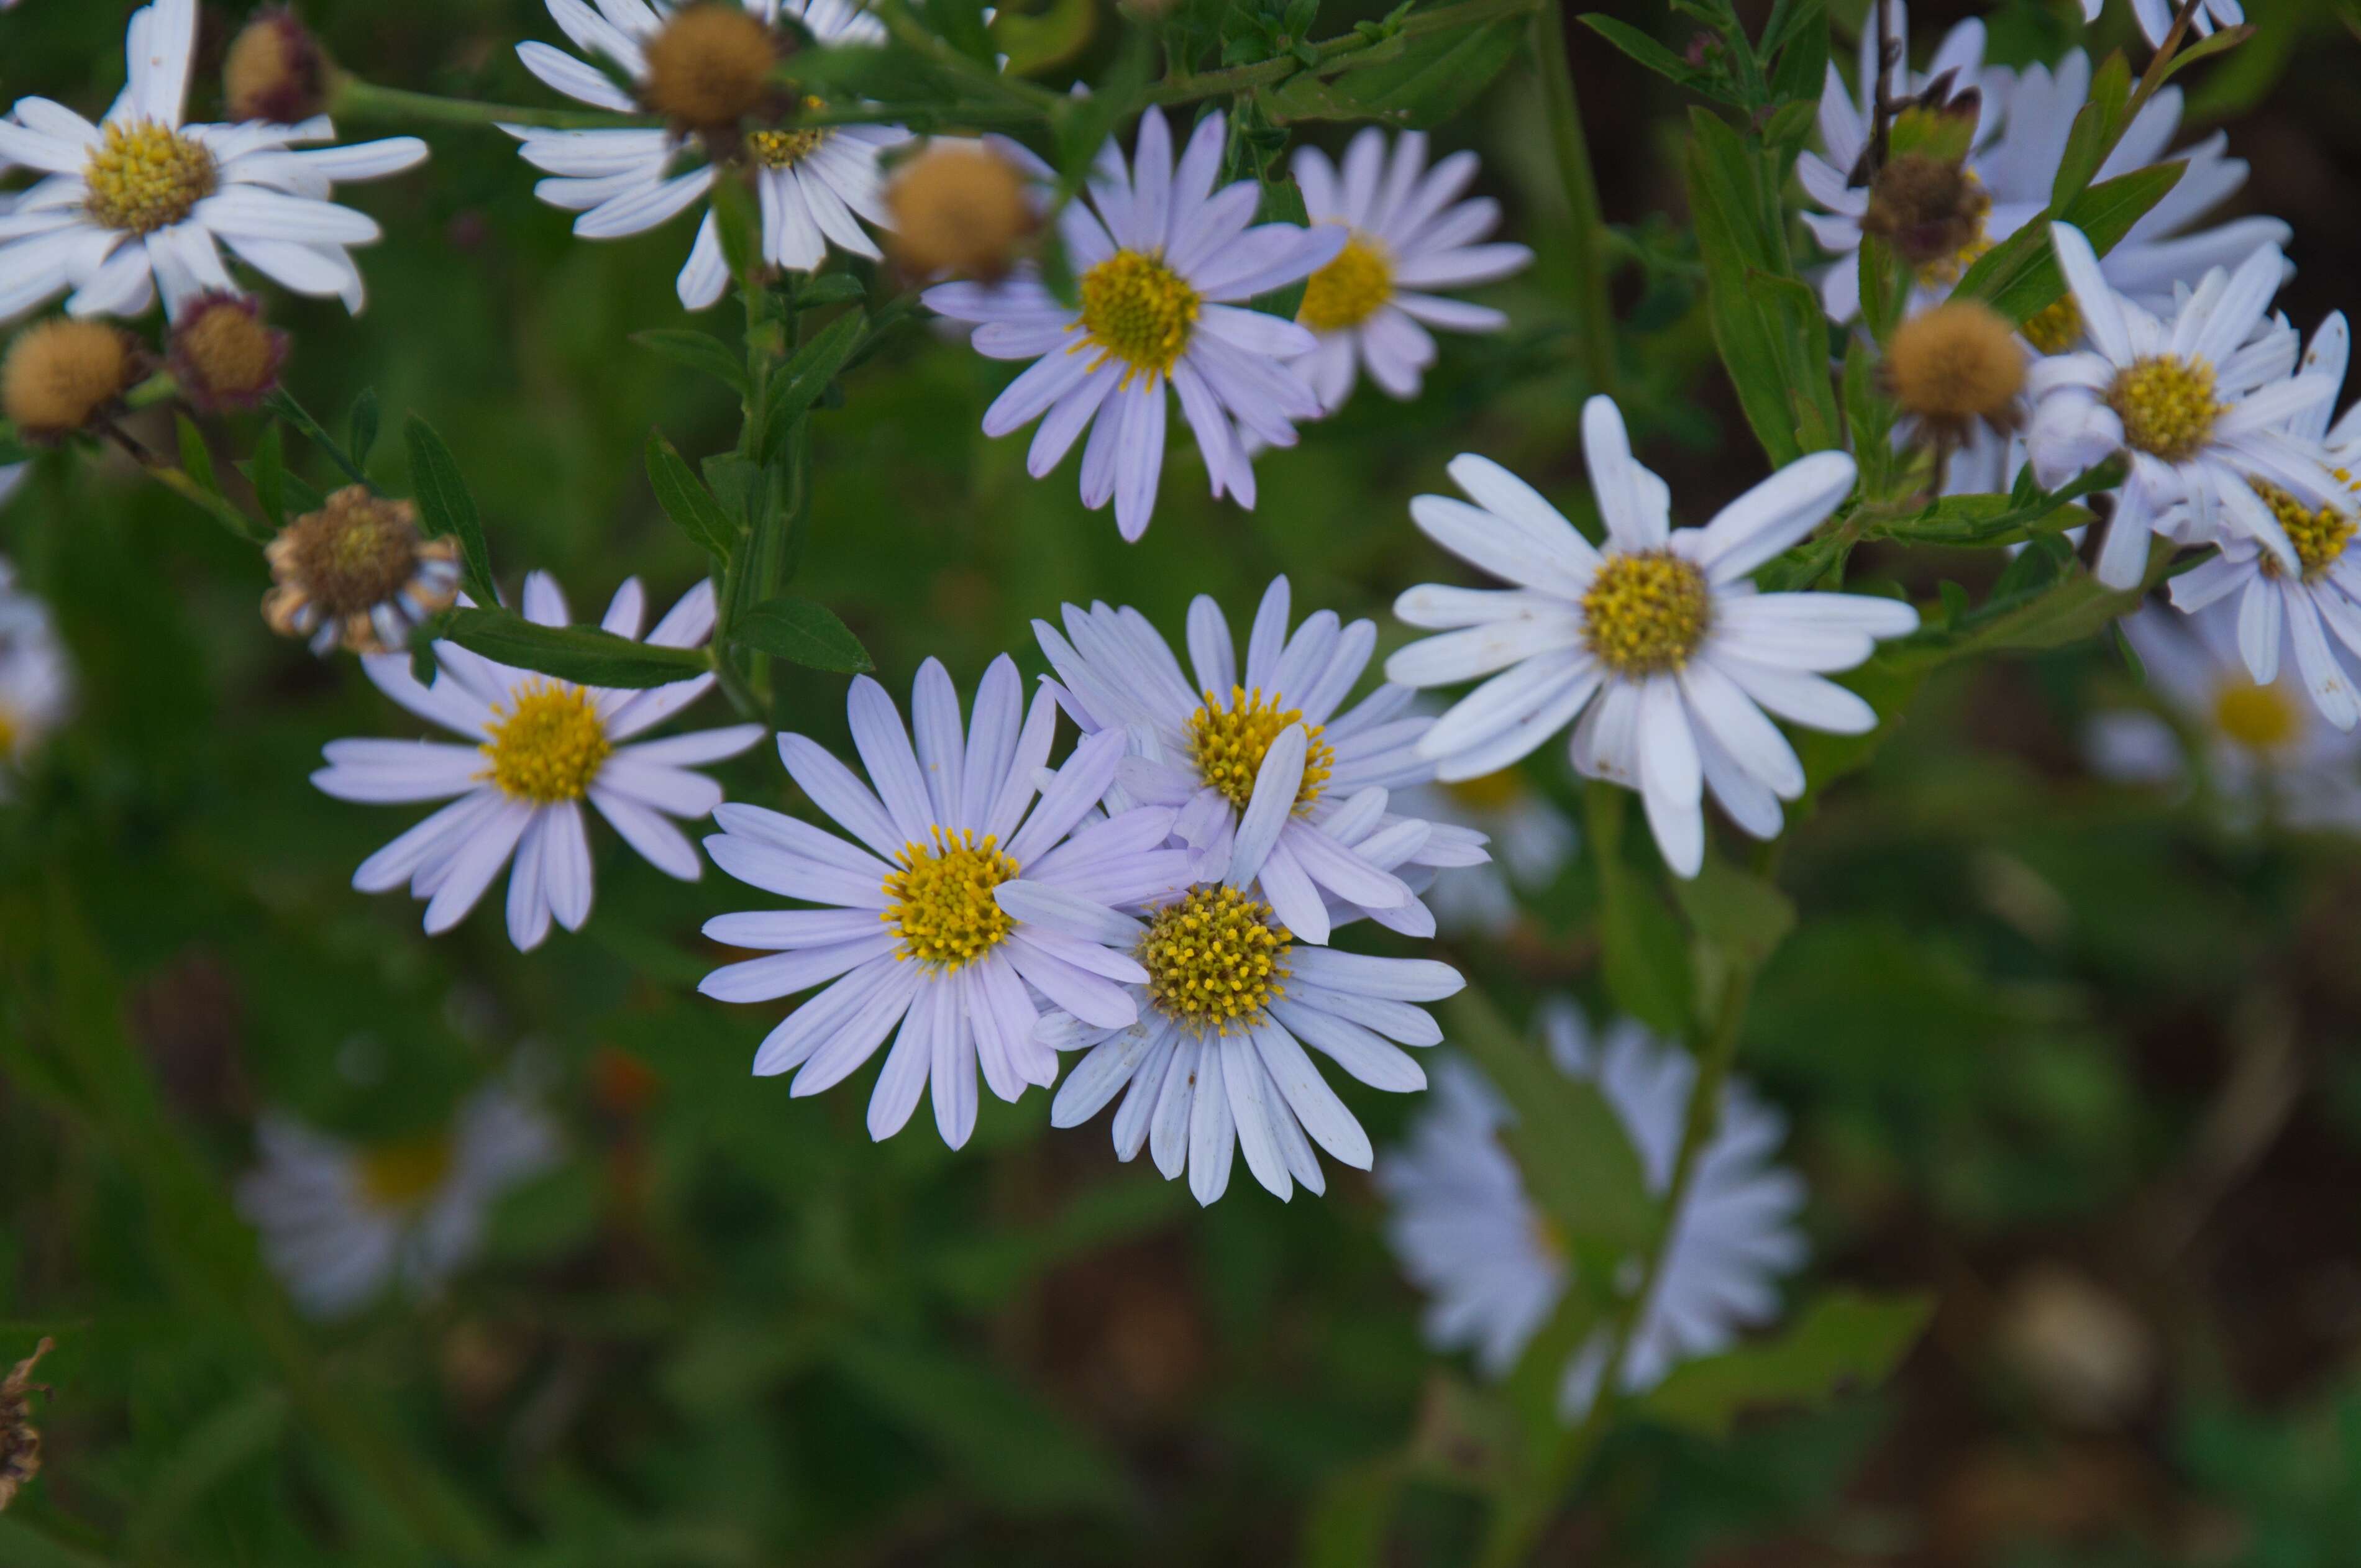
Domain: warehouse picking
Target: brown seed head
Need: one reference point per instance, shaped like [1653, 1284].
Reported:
[60, 374]
[275, 71]
[20, 1442]
[959, 208]
[355, 554]
[223, 355]
[1958, 362]
[1929, 211]
[708, 67]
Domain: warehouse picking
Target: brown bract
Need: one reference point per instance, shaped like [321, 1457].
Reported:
[20, 1442]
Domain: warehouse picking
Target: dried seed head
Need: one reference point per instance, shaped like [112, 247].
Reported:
[60, 374]
[20, 1442]
[1956, 363]
[222, 354]
[708, 67]
[959, 208]
[357, 572]
[1929, 211]
[275, 71]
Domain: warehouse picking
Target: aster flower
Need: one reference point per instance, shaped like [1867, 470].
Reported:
[1162, 259]
[1531, 839]
[357, 573]
[705, 69]
[2200, 407]
[2012, 159]
[1494, 1263]
[1407, 237]
[2265, 751]
[340, 1223]
[36, 677]
[1216, 1061]
[1257, 765]
[538, 748]
[961, 898]
[142, 201]
[1662, 627]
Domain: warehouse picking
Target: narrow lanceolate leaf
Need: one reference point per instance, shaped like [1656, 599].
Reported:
[803, 633]
[362, 425]
[1646, 50]
[267, 472]
[1422, 83]
[196, 481]
[798, 386]
[2020, 276]
[446, 507]
[1845, 1339]
[2096, 130]
[283, 403]
[699, 351]
[687, 502]
[577, 653]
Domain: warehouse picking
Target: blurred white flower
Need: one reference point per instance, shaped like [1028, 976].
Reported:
[140, 200]
[341, 1221]
[1530, 839]
[1495, 1266]
[35, 676]
[540, 747]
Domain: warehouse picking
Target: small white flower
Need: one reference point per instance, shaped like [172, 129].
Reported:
[703, 67]
[1158, 254]
[1662, 627]
[36, 677]
[1496, 1266]
[2201, 407]
[2266, 752]
[1407, 238]
[341, 1222]
[539, 748]
[1533, 840]
[2019, 140]
[961, 899]
[140, 201]
[1260, 767]
[1227, 1001]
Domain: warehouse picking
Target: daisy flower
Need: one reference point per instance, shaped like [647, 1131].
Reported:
[142, 201]
[1256, 764]
[359, 574]
[959, 899]
[1495, 1264]
[1406, 236]
[339, 1222]
[36, 678]
[1162, 263]
[1532, 841]
[2012, 160]
[1661, 626]
[705, 69]
[2200, 406]
[2265, 749]
[537, 748]
[1216, 1061]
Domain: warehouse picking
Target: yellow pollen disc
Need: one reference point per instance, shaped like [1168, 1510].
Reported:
[1137, 309]
[1215, 959]
[143, 176]
[1348, 290]
[2260, 718]
[550, 746]
[2167, 405]
[942, 905]
[403, 1174]
[785, 148]
[2319, 535]
[1228, 745]
[2054, 328]
[1493, 792]
[1645, 613]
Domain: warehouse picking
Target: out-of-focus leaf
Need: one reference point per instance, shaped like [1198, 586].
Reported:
[213, 1450]
[2020, 276]
[1643, 950]
[1803, 45]
[446, 507]
[202, 488]
[830, 289]
[1350, 1516]
[577, 653]
[700, 351]
[802, 632]
[362, 423]
[2221, 42]
[687, 502]
[1737, 911]
[1646, 52]
[283, 403]
[960, 22]
[806, 377]
[986, 1270]
[1842, 1339]
[1427, 81]
[2095, 131]
[1035, 43]
[267, 472]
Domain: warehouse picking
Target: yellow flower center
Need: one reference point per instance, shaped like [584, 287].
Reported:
[1645, 613]
[402, 1175]
[943, 909]
[1348, 290]
[2054, 328]
[550, 746]
[1493, 792]
[2167, 406]
[144, 175]
[1137, 309]
[785, 148]
[1214, 959]
[2319, 535]
[2260, 718]
[1228, 745]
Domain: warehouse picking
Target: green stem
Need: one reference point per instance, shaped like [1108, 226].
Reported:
[1596, 318]
[354, 99]
[1187, 88]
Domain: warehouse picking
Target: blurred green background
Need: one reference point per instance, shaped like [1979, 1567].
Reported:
[2071, 1059]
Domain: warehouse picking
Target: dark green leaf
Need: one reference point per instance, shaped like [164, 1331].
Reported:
[1419, 83]
[577, 653]
[1803, 45]
[283, 403]
[687, 502]
[362, 425]
[446, 507]
[2095, 131]
[806, 377]
[2020, 276]
[831, 289]
[960, 24]
[267, 472]
[803, 633]
[196, 458]
[1655, 57]
[2219, 43]
[1643, 952]
[700, 351]
[1843, 1338]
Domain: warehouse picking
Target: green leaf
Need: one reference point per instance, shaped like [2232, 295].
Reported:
[1738, 912]
[283, 403]
[831, 289]
[196, 483]
[1643, 952]
[1413, 81]
[700, 351]
[2020, 276]
[1803, 43]
[960, 22]
[577, 653]
[1843, 1338]
[1646, 52]
[2096, 130]
[1034, 43]
[1351, 1515]
[362, 425]
[983, 1272]
[1884, 287]
[2219, 43]
[446, 507]
[802, 632]
[196, 458]
[687, 502]
[1869, 415]
[794, 388]
[267, 472]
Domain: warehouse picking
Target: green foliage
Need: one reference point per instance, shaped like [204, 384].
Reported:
[802, 632]
[1842, 1339]
[577, 654]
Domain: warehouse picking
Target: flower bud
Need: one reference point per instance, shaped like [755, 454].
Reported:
[222, 354]
[61, 374]
[708, 66]
[275, 71]
[960, 208]
[1956, 362]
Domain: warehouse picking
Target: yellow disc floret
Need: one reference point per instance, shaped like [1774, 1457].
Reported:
[1139, 311]
[785, 148]
[551, 744]
[2260, 718]
[1490, 791]
[1228, 744]
[144, 175]
[1215, 959]
[1349, 289]
[405, 1174]
[942, 905]
[2054, 328]
[2167, 406]
[1646, 612]
[2319, 534]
